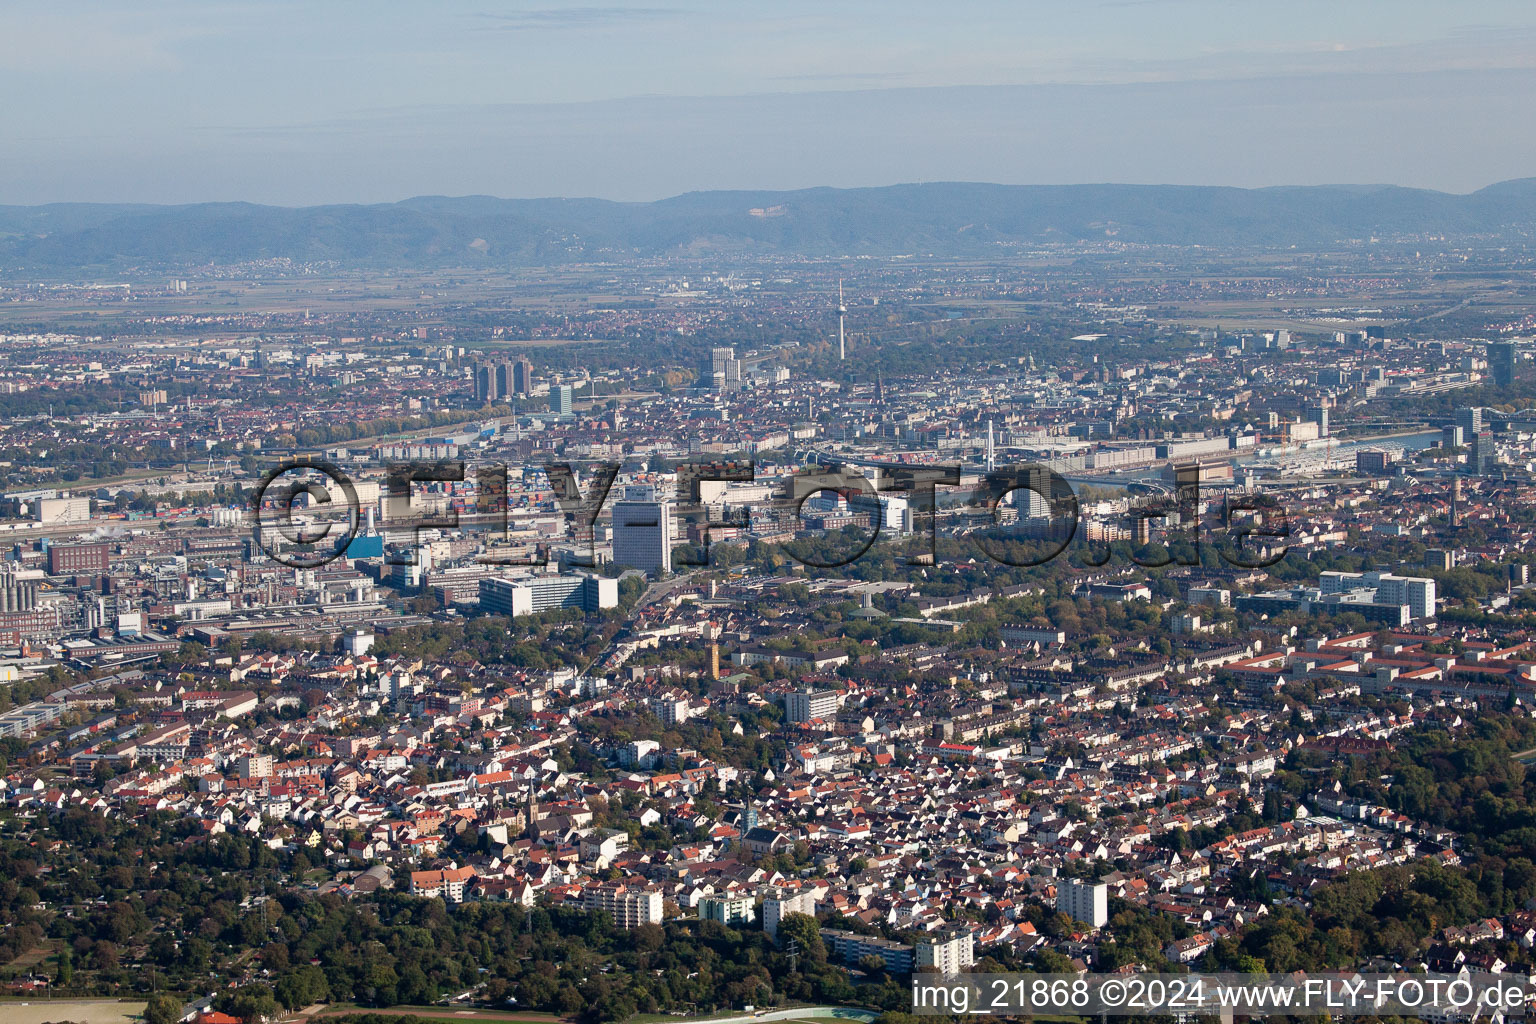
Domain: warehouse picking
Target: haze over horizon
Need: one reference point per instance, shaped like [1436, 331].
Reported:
[766, 190]
[289, 105]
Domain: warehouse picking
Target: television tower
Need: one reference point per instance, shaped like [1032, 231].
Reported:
[842, 311]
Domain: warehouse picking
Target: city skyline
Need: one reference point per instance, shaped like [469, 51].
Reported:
[617, 511]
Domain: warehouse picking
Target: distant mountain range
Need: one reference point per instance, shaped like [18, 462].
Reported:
[945, 219]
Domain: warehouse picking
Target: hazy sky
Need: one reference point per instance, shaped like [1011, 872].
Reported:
[327, 101]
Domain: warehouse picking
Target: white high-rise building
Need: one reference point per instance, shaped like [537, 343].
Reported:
[1417, 592]
[728, 908]
[949, 954]
[808, 704]
[631, 907]
[358, 642]
[781, 902]
[255, 766]
[525, 595]
[1030, 504]
[724, 367]
[642, 535]
[1087, 902]
[671, 708]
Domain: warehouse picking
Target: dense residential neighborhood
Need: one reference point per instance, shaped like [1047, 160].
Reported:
[451, 669]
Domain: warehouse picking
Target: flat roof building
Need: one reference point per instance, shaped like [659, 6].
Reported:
[529, 595]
